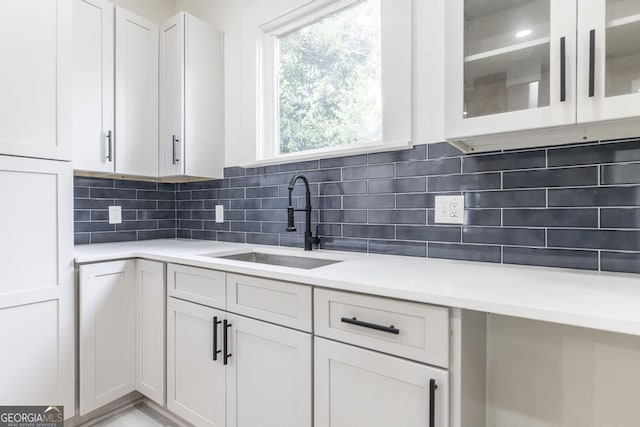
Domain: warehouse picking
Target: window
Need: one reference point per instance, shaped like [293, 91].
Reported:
[334, 76]
[329, 81]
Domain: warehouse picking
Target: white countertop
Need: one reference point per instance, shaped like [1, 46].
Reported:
[605, 301]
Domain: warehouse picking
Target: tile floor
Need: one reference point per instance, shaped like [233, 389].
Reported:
[139, 415]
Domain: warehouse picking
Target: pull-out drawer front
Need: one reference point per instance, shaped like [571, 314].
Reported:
[284, 303]
[415, 331]
[198, 285]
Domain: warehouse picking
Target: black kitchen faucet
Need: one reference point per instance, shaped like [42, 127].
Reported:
[309, 240]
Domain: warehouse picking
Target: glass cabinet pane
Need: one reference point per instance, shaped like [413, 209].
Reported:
[622, 47]
[506, 56]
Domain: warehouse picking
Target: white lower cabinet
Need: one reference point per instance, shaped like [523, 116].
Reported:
[107, 333]
[360, 387]
[255, 374]
[268, 375]
[150, 329]
[195, 381]
[228, 370]
[121, 332]
[355, 387]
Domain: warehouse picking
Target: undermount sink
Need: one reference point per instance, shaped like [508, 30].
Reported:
[306, 263]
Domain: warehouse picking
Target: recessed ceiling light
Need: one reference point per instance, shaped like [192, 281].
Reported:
[523, 33]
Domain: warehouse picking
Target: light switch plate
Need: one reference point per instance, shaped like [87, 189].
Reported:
[115, 214]
[449, 210]
[219, 213]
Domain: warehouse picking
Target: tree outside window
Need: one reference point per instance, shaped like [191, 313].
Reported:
[329, 81]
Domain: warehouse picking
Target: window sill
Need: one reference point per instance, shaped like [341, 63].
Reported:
[327, 153]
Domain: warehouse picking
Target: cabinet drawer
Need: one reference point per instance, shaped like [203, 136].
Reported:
[415, 331]
[197, 284]
[284, 303]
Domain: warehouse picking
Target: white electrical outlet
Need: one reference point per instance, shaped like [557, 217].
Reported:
[115, 214]
[449, 210]
[219, 213]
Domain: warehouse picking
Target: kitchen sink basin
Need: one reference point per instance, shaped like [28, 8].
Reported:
[306, 263]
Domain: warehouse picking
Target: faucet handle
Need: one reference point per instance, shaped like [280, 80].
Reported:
[291, 224]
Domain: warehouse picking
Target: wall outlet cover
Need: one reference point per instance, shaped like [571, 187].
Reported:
[219, 213]
[115, 214]
[449, 210]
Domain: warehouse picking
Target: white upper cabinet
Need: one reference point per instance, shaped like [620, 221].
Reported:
[35, 105]
[191, 98]
[120, 83]
[136, 91]
[510, 65]
[517, 65]
[93, 96]
[609, 60]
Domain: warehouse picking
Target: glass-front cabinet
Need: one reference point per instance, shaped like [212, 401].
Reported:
[516, 65]
[509, 65]
[609, 51]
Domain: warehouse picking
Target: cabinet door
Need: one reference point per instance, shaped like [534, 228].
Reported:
[355, 387]
[269, 375]
[150, 329]
[172, 96]
[36, 291]
[203, 100]
[93, 132]
[507, 69]
[136, 95]
[36, 52]
[107, 333]
[608, 59]
[195, 382]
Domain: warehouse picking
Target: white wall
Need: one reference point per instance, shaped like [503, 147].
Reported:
[235, 17]
[155, 10]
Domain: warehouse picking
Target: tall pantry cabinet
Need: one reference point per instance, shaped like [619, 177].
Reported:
[36, 252]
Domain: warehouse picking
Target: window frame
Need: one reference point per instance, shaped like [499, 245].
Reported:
[396, 64]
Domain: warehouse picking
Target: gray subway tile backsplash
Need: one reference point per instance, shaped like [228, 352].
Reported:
[148, 210]
[563, 258]
[561, 177]
[429, 167]
[465, 252]
[620, 218]
[575, 218]
[506, 199]
[504, 236]
[624, 240]
[480, 181]
[620, 174]
[575, 206]
[401, 185]
[595, 196]
[504, 161]
[620, 262]
[593, 154]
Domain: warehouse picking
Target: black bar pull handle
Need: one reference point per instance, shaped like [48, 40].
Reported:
[592, 63]
[563, 69]
[354, 321]
[216, 322]
[432, 402]
[175, 141]
[225, 343]
[110, 146]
